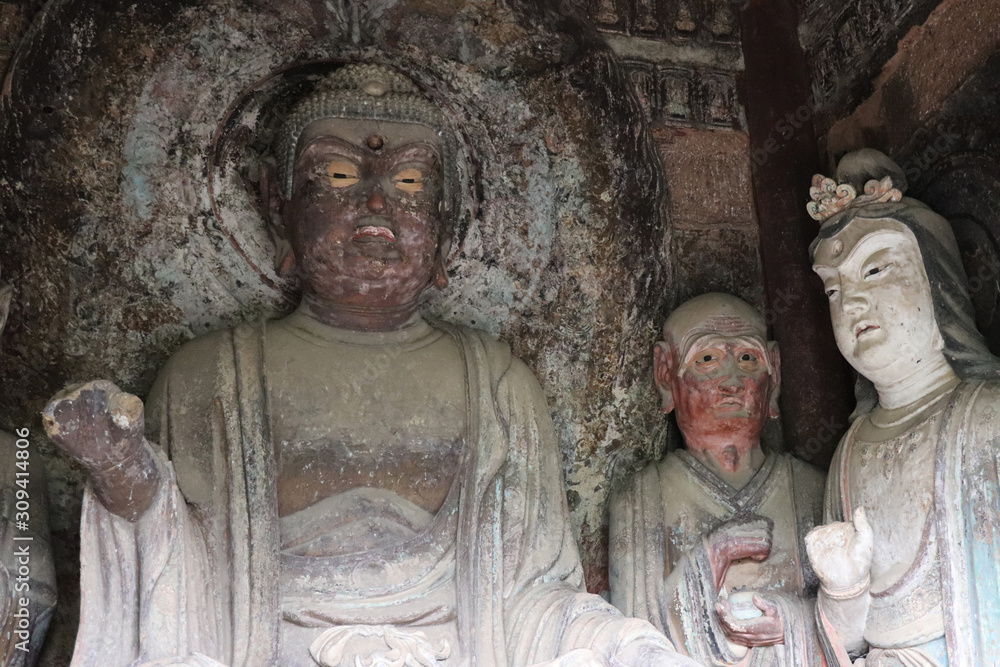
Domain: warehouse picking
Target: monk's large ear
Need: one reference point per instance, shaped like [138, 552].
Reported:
[664, 368]
[272, 194]
[774, 363]
[6, 293]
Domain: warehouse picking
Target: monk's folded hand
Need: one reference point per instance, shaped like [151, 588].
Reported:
[744, 536]
[101, 427]
[841, 555]
[766, 629]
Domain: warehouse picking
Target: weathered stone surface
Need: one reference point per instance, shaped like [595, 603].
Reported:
[849, 42]
[709, 176]
[706, 261]
[917, 81]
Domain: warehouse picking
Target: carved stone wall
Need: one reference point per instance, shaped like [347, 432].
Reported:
[848, 42]
[684, 58]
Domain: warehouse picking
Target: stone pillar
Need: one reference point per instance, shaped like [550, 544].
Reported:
[816, 396]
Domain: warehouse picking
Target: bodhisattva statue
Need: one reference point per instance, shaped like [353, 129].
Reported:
[910, 557]
[353, 484]
[27, 573]
[708, 543]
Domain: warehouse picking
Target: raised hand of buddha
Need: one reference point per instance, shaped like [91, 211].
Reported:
[101, 427]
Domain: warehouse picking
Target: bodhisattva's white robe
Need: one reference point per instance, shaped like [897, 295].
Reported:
[955, 576]
[199, 574]
[660, 569]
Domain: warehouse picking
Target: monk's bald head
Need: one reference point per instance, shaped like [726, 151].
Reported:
[717, 370]
[712, 313]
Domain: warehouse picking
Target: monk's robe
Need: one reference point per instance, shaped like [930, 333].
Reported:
[660, 568]
[210, 575]
[932, 497]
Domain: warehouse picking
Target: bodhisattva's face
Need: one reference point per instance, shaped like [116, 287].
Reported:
[880, 299]
[721, 387]
[364, 218]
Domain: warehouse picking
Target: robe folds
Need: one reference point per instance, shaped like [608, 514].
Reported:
[965, 522]
[660, 568]
[196, 580]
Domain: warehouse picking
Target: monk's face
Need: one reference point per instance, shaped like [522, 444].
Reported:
[364, 217]
[722, 386]
[880, 299]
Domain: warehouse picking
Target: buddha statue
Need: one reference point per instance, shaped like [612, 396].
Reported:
[910, 555]
[708, 543]
[353, 484]
[27, 572]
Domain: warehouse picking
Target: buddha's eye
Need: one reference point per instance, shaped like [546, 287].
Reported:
[342, 174]
[832, 292]
[409, 180]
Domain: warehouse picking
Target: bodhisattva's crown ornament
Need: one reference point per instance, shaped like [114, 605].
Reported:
[830, 198]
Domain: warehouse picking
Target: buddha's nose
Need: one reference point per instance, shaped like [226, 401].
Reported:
[376, 201]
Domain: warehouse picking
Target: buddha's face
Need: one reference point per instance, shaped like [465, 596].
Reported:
[720, 375]
[880, 298]
[364, 215]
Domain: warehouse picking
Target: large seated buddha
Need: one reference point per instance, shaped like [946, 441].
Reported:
[353, 484]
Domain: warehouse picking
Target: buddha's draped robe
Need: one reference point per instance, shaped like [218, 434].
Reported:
[943, 606]
[660, 568]
[200, 574]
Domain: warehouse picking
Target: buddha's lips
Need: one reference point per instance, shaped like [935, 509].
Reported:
[373, 232]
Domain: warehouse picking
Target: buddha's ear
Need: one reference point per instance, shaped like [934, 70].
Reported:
[440, 277]
[272, 194]
[6, 293]
[664, 368]
[774, 365]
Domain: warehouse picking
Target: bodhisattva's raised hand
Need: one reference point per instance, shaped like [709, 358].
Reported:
[746, 536]
[841, 554]
[101, 426]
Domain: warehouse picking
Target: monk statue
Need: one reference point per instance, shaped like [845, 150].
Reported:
[708, 543]
[353, 484]
[27, 572]
[910, 556]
